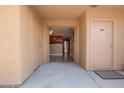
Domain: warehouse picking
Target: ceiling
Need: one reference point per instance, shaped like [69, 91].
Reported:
[60, 12]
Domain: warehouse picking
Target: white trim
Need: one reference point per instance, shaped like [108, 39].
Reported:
[113, 41]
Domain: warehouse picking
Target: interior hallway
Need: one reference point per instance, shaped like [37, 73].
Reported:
[67, 75]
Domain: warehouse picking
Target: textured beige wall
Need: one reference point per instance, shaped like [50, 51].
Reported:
[20, 44]
[30, 42]
[25, 40]
[45, 42]
[9, 45]
[118, 18]
[82, 40]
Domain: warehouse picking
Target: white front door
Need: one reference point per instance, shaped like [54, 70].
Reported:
[101, 45]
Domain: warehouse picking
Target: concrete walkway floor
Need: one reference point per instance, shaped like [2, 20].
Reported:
[67, 75]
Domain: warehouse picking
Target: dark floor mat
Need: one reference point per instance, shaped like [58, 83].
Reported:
[109, 74]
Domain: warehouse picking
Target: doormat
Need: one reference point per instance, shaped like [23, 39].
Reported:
[109, 74]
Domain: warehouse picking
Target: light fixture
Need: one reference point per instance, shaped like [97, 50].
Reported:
[51, 32]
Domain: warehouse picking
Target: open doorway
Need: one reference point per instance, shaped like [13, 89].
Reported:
[61, 44]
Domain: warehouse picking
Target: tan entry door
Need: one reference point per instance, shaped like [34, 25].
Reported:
[101, 45]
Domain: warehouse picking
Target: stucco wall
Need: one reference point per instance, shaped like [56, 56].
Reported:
[82, 40]
[9, 45]
[20, 44]
[30, 41]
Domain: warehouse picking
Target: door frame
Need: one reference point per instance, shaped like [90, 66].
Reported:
[113, 41]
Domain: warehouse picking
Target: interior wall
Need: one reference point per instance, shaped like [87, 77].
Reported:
[60, 23]
[30, 41]
[9, 45]
[82, 40]
[118, 39]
